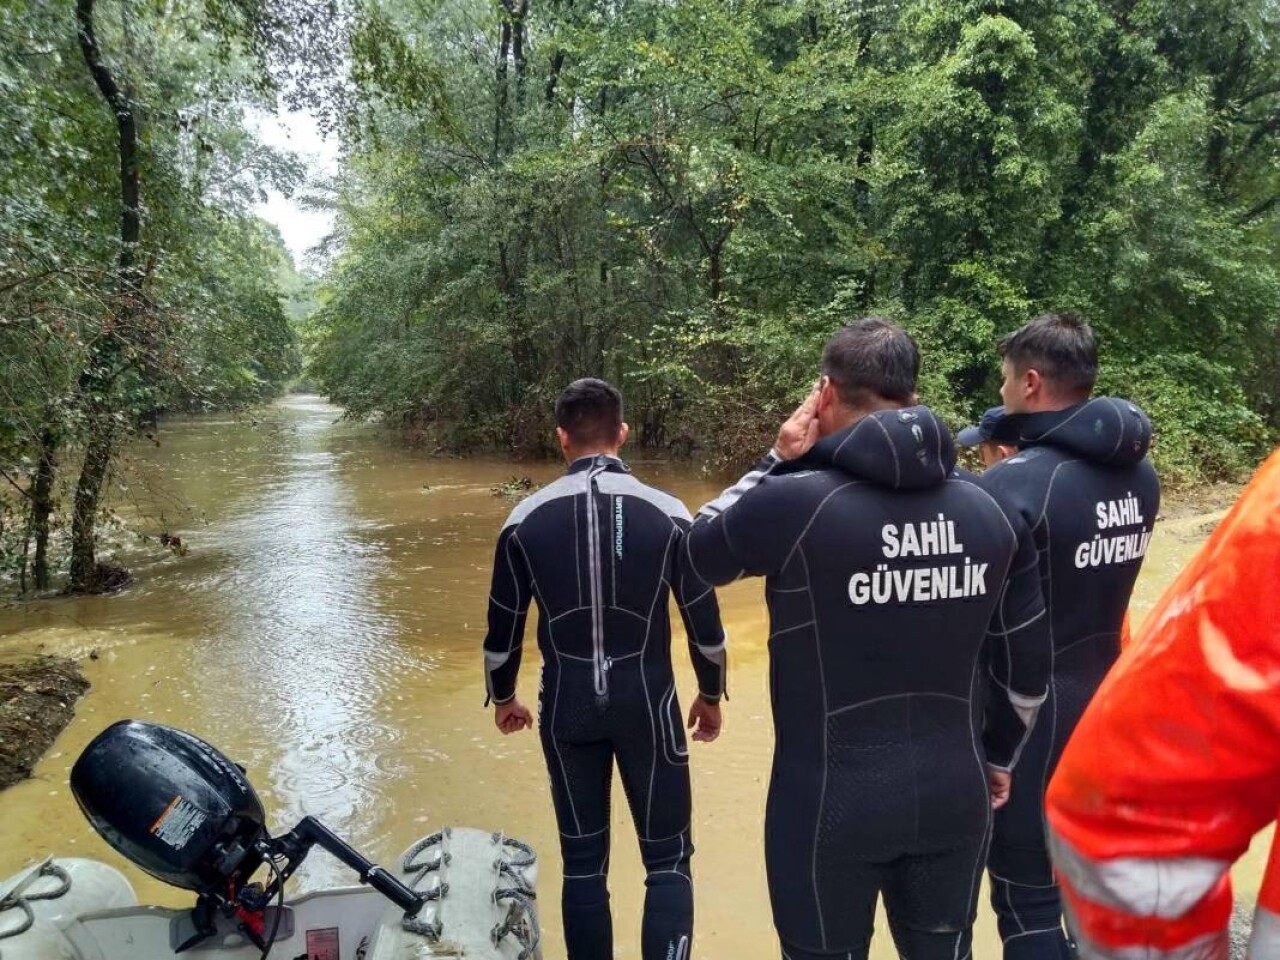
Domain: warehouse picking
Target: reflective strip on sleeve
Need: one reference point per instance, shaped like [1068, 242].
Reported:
[1211, 946]
[1166, 888]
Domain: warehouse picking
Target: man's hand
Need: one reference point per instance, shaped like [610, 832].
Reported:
[1000, 783]
[704, 720]
[800, 432]
[512, 716]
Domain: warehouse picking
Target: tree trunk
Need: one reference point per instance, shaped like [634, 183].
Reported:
[93, 475]
[557, 64]
[106, 360]
[517, 9]
[715, 280]
[42, 506]
[500, 109]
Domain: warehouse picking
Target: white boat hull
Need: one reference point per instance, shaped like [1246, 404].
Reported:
[481, 907]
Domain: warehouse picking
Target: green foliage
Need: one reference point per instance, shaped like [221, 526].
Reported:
[208, 326]
[689, 197]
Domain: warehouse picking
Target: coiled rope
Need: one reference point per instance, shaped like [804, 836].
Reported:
[19, 899]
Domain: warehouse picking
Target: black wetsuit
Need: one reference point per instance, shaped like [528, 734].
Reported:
[1082, 484]
[890, 582]
[598, 551]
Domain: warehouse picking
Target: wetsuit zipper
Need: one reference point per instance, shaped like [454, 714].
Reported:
[600, 668]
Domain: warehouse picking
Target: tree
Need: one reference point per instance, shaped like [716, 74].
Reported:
[704, 189]
[125, 126]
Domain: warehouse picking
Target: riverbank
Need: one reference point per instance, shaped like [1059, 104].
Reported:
[37, 700]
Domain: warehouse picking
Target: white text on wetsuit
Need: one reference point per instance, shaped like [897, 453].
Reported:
[919, 584]
[1125, 512]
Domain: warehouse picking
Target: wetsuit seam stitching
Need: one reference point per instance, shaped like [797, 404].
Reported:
[619, 609]
[897, 696]
[1006, 631]
[852, 433]
[1048, 493]
[1111, 402]
[996, 503]
[515, 538]
[561, 616]
[1093, 636]
[897, 466]
[688, 603]
[551, 733]
[804, 532]
[1022, 438]
[984, 846]
[801, 626]
[822, 795]
[653, 721]
[687, 542]
[577, 553]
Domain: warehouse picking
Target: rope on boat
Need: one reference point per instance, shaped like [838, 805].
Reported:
[521, 920]
[431, 929]
[515, 892]
[18, 899]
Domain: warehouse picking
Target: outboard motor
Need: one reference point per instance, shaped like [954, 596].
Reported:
[184, 813]
[172, 804]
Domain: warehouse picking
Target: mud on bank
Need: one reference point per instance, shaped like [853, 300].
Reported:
[37, 699]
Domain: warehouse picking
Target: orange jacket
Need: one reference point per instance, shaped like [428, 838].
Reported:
[1176, 763]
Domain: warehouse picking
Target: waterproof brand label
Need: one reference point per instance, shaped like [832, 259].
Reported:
[179, 822]
[322, 944]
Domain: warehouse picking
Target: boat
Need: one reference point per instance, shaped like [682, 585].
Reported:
[176, 807]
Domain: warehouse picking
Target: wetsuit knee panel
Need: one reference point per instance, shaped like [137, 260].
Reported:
[585, 856]
[667, 855]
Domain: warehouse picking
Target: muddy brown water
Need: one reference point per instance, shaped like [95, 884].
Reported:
[325, 631]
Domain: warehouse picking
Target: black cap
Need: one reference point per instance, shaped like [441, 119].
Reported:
[985, 430]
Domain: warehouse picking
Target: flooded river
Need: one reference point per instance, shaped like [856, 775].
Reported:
[325, 631]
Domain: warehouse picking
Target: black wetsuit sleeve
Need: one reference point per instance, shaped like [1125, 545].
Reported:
[1018, 655]
[508, 606]
[701, 614]
[739, 533]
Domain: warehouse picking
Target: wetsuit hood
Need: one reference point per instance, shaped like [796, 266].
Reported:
[1107, 430]
[907, 449]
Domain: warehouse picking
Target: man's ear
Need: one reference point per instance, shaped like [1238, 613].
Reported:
[827, 394]
[623, 432]
[1032, 383]
[563, 436]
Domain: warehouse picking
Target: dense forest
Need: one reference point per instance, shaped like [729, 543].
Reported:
[684, 196]
[687, 197]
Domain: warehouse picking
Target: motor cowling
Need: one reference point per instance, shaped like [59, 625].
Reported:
[172, 804]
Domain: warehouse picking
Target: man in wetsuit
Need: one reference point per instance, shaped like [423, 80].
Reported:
[886, 576]
[983, 436]
[599, 552]
[1082, 483]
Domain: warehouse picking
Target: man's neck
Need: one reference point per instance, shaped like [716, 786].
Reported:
[1052, 404]
[573, 456]
[844, 417]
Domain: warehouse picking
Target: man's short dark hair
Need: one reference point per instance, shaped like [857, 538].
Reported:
[872, 359]
[1061, 347]
[590, 411]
